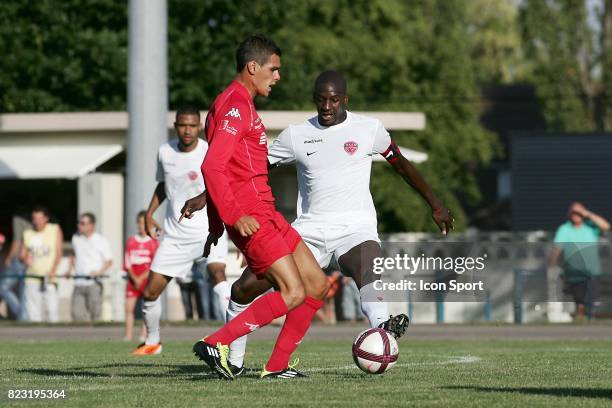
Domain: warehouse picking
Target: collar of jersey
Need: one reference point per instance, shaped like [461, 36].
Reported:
[341, 125]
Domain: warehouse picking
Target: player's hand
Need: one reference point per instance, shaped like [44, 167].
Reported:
[246, 225]
[152, 227]
[443, 219]
[210, 241]
[192, 205]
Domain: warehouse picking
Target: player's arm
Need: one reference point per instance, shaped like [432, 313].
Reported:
[59, 251]
[159, 195]
[440, 214]
[221, 150]
[281, 151]
[193, 205]
[105, 267]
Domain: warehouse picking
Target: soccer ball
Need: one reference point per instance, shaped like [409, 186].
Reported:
[375, 351]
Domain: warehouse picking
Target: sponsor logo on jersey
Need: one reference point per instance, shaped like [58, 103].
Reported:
[234, 112]
[313, 141]
[351, 147]
[263, 139]
[229, 128]
[193, 176]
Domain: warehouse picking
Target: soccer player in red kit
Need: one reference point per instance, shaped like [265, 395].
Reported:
[240, 200]
[139, 252]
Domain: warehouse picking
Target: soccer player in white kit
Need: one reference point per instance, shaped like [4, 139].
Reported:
[182, 242]
[335, 211]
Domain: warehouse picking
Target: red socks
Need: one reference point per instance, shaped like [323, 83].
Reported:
[293, 331]
[261, 312]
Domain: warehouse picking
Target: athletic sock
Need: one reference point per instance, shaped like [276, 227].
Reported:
[374, 305]
[261, 312]
[238, 346]
[222, 296]
[151, 313]
[296, 324]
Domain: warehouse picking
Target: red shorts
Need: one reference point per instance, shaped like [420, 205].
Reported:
[274, 239]
[133, 292]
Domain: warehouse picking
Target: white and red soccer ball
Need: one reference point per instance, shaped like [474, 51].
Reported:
[375, 351]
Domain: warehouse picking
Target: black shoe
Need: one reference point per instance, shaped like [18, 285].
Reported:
[287, 373]
[237, 371]
[396, 325]
[215, 357]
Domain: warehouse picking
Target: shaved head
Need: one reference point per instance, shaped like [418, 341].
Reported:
[333, 78]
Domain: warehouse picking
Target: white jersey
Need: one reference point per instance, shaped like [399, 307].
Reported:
[333, 167]
[181, 174]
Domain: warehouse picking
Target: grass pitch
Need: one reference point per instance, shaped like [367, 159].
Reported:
[428, 373]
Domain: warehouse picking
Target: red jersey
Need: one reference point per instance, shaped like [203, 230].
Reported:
[139, 253]
[235, 168]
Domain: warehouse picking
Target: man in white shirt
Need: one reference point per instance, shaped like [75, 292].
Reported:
[92, 258]
[182, 242]
[336, 217]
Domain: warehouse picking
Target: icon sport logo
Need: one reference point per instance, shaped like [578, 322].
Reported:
[351, 147]
[234, 112]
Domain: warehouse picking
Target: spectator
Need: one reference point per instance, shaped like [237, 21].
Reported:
[139, 252]
[351, 301]
[577, 240]
[196, 285]
[92, 258]
[11, 287]
[41, 253]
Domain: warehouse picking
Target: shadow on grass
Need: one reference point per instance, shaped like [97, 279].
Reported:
[605, 393]
[197, 371]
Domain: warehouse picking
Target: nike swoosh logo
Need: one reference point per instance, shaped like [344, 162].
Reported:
[309, 153]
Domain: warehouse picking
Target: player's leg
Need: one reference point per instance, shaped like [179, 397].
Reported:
[357, 262]
[283, 274]
[243, 292]
[298, 320]
[216, 270]
[151, 306]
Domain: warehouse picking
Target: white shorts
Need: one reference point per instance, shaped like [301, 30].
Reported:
[327, 241]
[176, 259]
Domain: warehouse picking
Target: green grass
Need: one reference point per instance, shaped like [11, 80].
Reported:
[429, 373]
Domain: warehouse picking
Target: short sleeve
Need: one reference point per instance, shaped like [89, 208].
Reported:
[105, 250]
[281, 151]
[382, 139]
[159, 175]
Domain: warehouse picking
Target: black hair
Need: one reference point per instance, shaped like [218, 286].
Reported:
[256, 48]
[334, 78]
[187, 110]
[141, 213]
[41, 209]
[92, 218]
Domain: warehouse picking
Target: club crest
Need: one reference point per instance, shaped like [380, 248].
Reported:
[351, 147]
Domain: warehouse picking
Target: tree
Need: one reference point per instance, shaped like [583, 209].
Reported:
[397, 55]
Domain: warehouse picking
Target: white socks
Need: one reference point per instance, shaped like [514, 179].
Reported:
[222, 292]
[151, 312]
[373, 305]
[238, 346]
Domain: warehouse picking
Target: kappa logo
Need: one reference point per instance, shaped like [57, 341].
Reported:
[234, 112]
[251, 326]
[351, 147]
